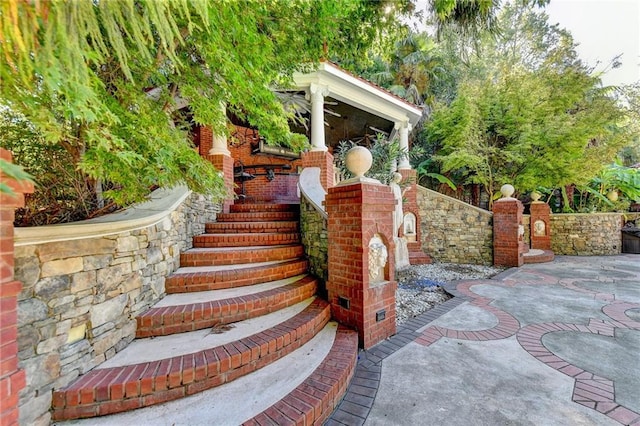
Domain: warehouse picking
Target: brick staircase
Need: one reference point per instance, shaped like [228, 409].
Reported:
[240, 305]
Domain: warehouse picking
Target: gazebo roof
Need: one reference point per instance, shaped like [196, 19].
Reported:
[362, 106]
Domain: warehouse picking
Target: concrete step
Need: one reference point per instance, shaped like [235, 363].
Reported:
[263, 207]
[245, 239]
[313, 401]
[293, 385]
[288, 226]
[257, 216]
[202, 278]
[195, 311]
[538, 256]
[217, 256]
[172, 367]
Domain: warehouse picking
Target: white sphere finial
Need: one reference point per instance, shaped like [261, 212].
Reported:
[358, 160]
[507, 190]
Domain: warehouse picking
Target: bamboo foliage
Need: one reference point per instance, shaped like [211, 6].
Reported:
[81, 72]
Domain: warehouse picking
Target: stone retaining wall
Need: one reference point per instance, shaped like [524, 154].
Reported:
[588, 234]
[454, 231]
[315, 240]
[80, 297]
[585, 234]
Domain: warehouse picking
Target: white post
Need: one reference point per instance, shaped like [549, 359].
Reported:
[404, 129]
[317, 93]
[219, 145]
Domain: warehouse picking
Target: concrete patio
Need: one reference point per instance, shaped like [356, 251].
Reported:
[546, 344]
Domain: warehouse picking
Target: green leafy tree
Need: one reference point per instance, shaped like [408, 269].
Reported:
[101, 79]
[530, 114]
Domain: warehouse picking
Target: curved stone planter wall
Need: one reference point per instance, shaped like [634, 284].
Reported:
[85, 283]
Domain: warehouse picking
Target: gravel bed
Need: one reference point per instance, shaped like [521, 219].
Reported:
[420, 286]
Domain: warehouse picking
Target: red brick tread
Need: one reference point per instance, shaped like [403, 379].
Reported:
[218, 256]
[167, 320]
[246, 239]
[313, 401]
[112, 390]
[186, 282]
[263, 207]
[256, 216]
[248, 227]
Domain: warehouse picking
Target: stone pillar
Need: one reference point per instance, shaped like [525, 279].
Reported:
[508, 247]
[404, 129]
[12, 379]
[317, 93]
[361, 285]
[540, 234]
[220, 157]
[323, 160]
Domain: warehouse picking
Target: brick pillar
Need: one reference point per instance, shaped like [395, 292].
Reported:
[224, 163]
[357, 212]
[410, 204]
[12, 379]
[508, 246]
[540, 234]
[324, 160]
[221, 161]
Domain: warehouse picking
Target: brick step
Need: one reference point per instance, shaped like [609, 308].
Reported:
[313, 401]
[194, 279]
[216, 256]
[245, 240]
[419, 258]
[295, 381]
[250, 227]
[257, 216]
[170, 318]
[117, 389]
[264, 207]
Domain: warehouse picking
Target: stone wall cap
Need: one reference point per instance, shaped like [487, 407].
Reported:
[453, 200]
[311, 188]
[162, 202]
[363, 179]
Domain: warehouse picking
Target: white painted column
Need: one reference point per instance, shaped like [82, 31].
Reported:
[219, 143]
[317, 93]
[404, 129]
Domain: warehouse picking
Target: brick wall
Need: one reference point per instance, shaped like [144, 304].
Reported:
[12, 378]
[283, 188]
[80, 297]
[454, 231]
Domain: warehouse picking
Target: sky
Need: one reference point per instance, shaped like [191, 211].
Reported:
[603, 29]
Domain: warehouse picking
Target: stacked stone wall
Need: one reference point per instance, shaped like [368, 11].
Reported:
[588, 234]
[454, 231]
[315, 240]
[80, 298]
